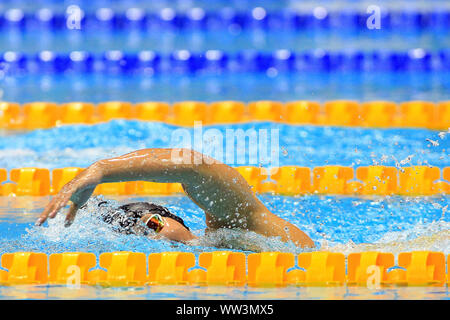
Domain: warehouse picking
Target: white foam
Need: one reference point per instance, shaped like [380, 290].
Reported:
[90, 233]
[434, 236]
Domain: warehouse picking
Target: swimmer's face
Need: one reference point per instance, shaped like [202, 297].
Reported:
[172, 230]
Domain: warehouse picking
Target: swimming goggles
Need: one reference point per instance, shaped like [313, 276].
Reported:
[155, 222]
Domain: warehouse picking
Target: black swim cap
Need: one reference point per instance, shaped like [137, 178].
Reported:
[143, 208]
[133, 212]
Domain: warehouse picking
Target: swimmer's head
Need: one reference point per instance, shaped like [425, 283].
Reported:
[142, 209]
[140, 217]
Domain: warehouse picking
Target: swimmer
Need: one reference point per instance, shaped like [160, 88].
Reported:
[218, 189]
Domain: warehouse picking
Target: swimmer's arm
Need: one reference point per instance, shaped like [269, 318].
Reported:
[163, 165]
[157, 165]
[271, 225]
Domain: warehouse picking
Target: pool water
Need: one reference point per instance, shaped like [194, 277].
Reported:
[339, 224]
[335, 223]
[315, 86]
[225, 40]
[308, 146]
[219, 293]
[350, 224]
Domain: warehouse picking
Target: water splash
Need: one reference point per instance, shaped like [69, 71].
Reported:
[433, 236]
[90, 233]
[344, 224]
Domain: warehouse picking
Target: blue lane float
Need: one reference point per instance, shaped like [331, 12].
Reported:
[181, 61]
[224, 18]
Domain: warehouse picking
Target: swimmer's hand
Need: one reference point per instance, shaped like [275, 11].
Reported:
[78, 191]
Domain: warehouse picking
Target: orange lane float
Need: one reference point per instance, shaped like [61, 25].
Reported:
[302, 112]
[379, 114]
[342, 113]
[114, 110]
[291, 180]
[77, 113]
[24, 268]
[187, 113]
[10, 115]
[41, 115]
[265, 269]
[62, 176]
[68, 267]
[370, 114]
[322, 268]
[269, 268]
[361, 266]
[123, 268]
[418, 180]
[117, 188]
[332, 179]
[420, 114]
[3, 175]
[443, 116]
[419, 268]
[30, 181]
[377, 180]
[266, 110]
[227, 112]
[222, 268]
[255, 177]
[152, 111]
[287, 180]
[170, 267]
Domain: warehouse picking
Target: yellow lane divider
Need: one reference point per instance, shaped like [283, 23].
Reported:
[377, 114]
[266, 269]
[288, 180]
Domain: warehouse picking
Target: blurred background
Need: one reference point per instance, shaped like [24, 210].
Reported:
[199, 50]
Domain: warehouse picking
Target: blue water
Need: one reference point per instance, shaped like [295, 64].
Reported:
[230, 41]
[252, 86]
[346, 224]
[90, 5]
[341, 224]
[309, 146]
[183, 4]
[338, 220]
